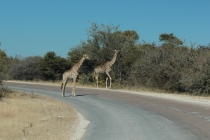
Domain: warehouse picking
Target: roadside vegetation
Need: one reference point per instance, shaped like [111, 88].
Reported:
[29, 116]
[169, 65]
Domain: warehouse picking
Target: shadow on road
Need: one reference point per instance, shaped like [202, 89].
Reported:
[78, 95]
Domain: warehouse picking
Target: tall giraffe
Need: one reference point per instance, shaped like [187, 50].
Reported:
[105, 68]
[72, 73]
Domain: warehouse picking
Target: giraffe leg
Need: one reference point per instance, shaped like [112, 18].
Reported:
[64, 86]
[110, 80]
[106, 81]
[61, 85]
[74, 85]
[96, 77]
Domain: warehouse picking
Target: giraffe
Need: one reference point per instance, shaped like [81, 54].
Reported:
[72, 74]
[105, 68]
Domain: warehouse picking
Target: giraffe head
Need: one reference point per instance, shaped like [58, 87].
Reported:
[86, 56]
[116, 51]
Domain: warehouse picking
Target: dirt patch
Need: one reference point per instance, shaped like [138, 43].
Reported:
[30, 116]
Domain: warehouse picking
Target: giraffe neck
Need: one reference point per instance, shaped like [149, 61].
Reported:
[111, 62]
[78, 65]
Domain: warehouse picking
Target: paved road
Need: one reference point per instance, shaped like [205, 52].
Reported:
[115, 115]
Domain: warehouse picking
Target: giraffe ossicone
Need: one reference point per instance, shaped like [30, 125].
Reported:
[72, 74]
[105, 68]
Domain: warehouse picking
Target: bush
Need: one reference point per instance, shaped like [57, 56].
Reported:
[26, 69]
[4, 92]
[161, 67]
[196, 79]
[84, 79]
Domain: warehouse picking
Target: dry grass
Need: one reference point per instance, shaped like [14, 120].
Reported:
[29, 116]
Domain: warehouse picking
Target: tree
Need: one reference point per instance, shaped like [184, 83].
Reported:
[26, 69]
[52, 67]
[170, 39]
[131, 34]
[100, 45]
[2, 64]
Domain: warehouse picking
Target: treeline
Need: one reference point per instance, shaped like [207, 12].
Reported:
[170, 66]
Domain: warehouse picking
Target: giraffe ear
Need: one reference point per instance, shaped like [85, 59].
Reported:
[86, 56]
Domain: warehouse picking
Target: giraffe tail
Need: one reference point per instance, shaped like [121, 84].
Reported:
[61, 85]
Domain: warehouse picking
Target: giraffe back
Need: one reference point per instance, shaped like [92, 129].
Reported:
[100, 69]
[70, 74]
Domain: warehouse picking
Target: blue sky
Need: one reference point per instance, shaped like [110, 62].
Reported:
[35, 27]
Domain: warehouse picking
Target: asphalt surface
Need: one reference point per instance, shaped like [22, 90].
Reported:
[116, 115]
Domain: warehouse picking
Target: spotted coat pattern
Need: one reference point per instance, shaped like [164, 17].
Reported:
[72, 74]
[105, 68]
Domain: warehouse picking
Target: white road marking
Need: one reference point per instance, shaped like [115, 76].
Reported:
[166, 119]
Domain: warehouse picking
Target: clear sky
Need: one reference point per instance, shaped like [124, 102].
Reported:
[35, 27]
